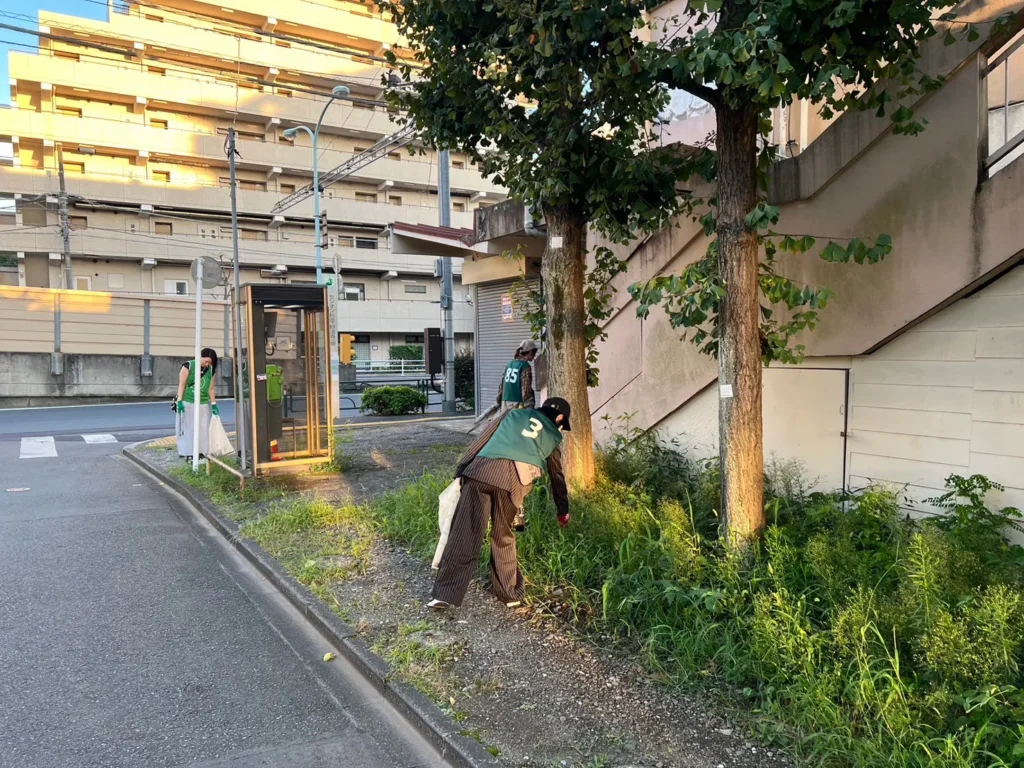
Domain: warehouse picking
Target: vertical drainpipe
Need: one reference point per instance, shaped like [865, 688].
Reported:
[147, 358]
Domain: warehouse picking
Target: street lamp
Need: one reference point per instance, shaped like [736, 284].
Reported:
[339, 92]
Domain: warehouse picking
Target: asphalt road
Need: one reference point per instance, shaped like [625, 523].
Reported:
[120, 419]
[132, 635]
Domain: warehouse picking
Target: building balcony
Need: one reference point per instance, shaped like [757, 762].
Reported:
[134, 138]
[399, 316]
[134, 191]
[202, 91]
[137, 246]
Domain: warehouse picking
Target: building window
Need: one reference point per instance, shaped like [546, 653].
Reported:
[284, 92]
[357, 150]
[344, 241]
[458, 205]
[176, 287]
[74, 167]
[78, 222]
[156, 71]
[355, 292]
[67, 55]
[162, 176]
[253, 234]
[160, 124]
[366, 197]
[412, 288]
[366, 243]
[253, 186]
[394, 155]
[69, 111]
[414, 338]
[458, 163]
[287, 189]
[82, 283]
[153, 17]
[163, 228]
[394, 200]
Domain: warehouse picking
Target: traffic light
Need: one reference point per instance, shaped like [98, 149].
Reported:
[347, 353]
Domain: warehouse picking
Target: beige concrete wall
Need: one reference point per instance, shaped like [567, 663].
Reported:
[946, 398]
[923, 191]
[100, 323]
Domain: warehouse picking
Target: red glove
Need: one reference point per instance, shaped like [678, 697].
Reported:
[563, 520]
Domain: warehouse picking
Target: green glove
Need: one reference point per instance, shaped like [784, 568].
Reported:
[180, 405]
[215, 410]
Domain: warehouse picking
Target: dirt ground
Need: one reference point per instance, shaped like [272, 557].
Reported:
[521, 682]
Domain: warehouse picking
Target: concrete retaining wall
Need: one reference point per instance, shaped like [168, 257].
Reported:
[25, 378]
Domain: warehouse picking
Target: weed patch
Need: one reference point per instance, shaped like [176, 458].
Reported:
[855, 635]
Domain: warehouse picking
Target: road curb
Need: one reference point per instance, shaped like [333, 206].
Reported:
[420, 711]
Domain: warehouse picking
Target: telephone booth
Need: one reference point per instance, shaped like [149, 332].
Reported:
[286, 377]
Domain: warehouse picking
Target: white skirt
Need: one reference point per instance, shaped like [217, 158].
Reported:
[184, 424]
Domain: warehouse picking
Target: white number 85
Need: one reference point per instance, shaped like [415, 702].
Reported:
[534, 433]
[511, 375]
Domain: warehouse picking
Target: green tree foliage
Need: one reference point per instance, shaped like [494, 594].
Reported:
[745, 58]
[556, 100]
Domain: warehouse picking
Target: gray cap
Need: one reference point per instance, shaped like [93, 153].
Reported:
[528, 346]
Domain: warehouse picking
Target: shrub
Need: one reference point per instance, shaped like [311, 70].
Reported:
[406, 352]
[859, 636]
[464, 376]
[393, 401]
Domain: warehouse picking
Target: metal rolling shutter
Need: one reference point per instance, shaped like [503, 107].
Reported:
[496, 340]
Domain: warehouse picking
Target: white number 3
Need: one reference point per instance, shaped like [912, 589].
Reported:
[535, 432]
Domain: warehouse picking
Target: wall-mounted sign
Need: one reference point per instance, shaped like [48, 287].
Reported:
[507, 315]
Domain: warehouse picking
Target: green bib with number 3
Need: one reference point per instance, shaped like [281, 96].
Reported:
[512, 390]
[525, 435]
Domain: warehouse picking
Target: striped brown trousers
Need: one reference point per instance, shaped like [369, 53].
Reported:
[479, 504]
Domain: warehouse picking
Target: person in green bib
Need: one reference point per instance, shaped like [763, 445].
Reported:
[516, 388]
[497, 472]
[185, 402]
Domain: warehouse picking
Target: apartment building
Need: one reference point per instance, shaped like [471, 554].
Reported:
[136, 109]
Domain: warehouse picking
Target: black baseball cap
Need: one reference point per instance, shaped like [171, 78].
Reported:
[559, 406]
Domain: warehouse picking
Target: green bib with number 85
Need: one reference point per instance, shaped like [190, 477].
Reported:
[525, 435]
[512, 390]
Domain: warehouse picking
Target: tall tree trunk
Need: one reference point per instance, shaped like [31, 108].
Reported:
[739, 354]
[563, 268]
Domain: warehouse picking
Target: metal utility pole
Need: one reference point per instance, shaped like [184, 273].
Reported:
[444, 202]
[240, 411]
[65, 226]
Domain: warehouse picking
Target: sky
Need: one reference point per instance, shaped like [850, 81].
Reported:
[15, 13]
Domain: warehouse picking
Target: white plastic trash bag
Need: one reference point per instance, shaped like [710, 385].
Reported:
[446, 503]
[220, 445]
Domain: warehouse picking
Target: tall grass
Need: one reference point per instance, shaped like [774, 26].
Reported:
[858, 636]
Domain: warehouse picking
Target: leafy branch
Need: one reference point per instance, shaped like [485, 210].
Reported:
[598, 294]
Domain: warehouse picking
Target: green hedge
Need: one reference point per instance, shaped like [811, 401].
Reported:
[393, 401]
[406, 352]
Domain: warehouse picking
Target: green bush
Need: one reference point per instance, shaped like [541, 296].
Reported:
[393, 401]
[406, 352]
[464, 376]
[857, 635]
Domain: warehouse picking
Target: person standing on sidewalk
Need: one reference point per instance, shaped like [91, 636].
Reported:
[516, 388]
[186, 401]
[498, 471]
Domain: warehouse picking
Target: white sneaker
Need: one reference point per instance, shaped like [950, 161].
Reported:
[438, 605]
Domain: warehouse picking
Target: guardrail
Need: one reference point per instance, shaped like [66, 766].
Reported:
[396, 367]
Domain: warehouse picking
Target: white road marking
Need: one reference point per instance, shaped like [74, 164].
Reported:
[18, 490]
[104, 438]
[38, 448]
